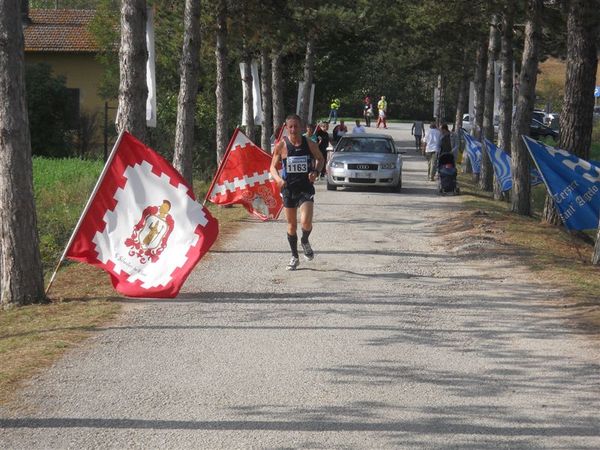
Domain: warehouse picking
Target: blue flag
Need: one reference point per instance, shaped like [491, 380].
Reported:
[573, 182]
[473, 149]
[501, 162]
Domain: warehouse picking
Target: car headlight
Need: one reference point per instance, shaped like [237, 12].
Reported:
[388, 166]
[337, 165]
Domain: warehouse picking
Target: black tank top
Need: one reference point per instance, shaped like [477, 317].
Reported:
[297, 165]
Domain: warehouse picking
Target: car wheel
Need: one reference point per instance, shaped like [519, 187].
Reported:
[331, 187]
[398, 187]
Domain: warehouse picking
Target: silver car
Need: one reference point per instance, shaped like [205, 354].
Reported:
[365, 160]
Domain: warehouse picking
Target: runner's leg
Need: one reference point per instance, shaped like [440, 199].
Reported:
[306, 216]
[292, 224]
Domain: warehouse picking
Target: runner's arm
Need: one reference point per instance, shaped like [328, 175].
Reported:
[320, 161]
[275, 160]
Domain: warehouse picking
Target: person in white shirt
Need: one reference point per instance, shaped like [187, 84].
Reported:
[358, 128]
[432, 142]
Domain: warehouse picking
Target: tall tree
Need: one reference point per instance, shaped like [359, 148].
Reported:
[506, 86]
[248, 97]
[133, 55]
[463, 92]
[478, 106]
[521, 191]
[188, 91]
[21, 279]
[267, 99]
[486, 177]
[277, 89]
[309, 64]
[576, 118]
[506, 82]
[222, 89]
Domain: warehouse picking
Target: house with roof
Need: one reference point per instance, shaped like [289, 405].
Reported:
[61, 38]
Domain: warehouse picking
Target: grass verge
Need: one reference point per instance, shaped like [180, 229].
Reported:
[33, 337]
[552, 253]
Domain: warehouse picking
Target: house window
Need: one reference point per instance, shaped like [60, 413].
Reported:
[72, 119]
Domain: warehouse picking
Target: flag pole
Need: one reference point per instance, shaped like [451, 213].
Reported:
[221, 165]
[85, 210]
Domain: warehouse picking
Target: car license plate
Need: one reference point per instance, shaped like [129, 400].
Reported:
[363, 175]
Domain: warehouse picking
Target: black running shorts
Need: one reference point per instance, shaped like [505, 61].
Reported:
[293, 198]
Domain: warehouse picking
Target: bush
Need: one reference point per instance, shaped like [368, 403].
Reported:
[48, 106]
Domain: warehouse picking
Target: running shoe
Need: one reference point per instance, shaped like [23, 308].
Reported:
[294, 263]
[308, 251]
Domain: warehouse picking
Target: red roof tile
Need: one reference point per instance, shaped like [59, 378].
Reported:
[59, 30]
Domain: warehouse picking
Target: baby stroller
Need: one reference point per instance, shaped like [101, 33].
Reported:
[447, 174]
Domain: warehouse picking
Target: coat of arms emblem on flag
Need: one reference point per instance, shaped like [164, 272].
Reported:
[150, 236]
[244, 178]
[142, 224]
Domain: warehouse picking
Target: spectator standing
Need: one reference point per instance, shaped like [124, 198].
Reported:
[417, 131]
[310, 133]
[382, 107]
[323, 142]
[446, 140]
[358, 128]
[368, 110]
[432, 143]
[339, 131]
[333, 111]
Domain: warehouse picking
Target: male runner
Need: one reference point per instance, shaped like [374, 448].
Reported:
[301, 163]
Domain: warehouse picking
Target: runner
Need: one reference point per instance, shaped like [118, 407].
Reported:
[301, 163]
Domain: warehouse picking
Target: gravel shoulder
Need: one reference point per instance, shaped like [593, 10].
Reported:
[389, 338]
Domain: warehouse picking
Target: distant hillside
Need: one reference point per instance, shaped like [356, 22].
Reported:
[554, 69]
[550, 86]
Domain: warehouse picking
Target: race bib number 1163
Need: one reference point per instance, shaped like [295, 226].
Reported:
[297, 164]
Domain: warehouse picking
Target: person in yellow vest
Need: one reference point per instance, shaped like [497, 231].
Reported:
[382, 107]
[335, 105]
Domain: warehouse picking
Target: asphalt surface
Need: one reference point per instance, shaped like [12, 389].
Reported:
[385, 340]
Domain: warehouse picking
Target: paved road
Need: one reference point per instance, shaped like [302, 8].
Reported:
[385, 340]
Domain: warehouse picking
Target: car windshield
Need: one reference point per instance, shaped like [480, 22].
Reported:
[365, 145]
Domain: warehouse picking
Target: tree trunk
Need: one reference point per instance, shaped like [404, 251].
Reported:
[521, 192]
[506, 90]
[439, 112]
[461, 103]
[309, 62]
[463, 93]
[596, 254]
[248, 97]
[267, 100]
[486, 177]
[133, 55]
[576, 119]
[506, 82]
[221, 90]
[481, 64]
[188, 91]
[21, 277]
[277, 90]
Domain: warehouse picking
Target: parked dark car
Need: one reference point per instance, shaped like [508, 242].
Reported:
[537, 130]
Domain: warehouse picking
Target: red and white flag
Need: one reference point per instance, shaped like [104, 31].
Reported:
[143, 225]
[244, 178]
